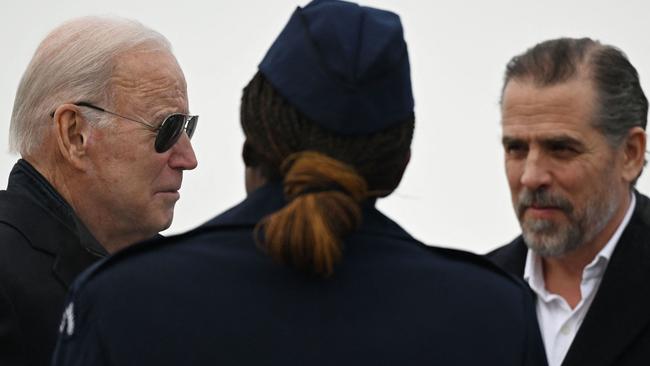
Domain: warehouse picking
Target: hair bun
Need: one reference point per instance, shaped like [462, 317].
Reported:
[310, 172]
[323, 197]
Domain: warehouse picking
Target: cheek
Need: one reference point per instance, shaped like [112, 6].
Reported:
[124, 164]
[578, 185]
[513, 174]
[127, 169]
[124, 169]
[574, 177]
[153, 174]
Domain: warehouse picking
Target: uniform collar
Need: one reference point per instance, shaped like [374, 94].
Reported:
[270, 198]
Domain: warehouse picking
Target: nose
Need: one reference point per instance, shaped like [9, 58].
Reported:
[182, 154]
[536, 173]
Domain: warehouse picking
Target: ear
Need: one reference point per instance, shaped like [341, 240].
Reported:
[634, 153]
[72, 132]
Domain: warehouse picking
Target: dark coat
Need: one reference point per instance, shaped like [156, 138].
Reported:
[211, 297]
[616, 329]
[41, 252]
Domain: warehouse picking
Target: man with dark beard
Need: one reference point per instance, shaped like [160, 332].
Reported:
[573, 119]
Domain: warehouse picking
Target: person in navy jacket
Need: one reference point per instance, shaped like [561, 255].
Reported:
[306, 271]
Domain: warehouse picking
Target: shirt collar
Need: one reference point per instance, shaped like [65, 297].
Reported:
[533, 273]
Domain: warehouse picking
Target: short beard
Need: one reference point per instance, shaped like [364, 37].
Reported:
[551, 239]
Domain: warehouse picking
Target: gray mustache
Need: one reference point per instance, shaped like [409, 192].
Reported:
[542, 198]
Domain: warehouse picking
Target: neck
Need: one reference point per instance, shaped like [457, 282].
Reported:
[71, 186]
[254, 179]
[564, 277]
[105, 229]
[563, 274]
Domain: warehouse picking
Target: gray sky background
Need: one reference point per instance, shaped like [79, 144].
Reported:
[454, 192]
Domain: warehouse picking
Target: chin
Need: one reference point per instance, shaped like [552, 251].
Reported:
[164, 223]
[156, 225]
[167, 221]
[161, 216]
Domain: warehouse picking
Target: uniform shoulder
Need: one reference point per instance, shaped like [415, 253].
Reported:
[151, 251]
[93, 290]
[478, 265]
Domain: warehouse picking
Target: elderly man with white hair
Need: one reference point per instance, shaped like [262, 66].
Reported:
[99, 121]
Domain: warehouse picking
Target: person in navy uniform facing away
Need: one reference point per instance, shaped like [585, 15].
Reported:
[306, 271]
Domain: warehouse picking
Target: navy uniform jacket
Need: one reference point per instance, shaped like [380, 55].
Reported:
[43, 246]
[211, 297]
[616, 329]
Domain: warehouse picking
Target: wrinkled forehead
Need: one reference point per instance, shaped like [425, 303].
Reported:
[571, 102]
[148, 76]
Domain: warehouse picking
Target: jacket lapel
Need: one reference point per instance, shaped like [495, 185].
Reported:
[63, 243]
[511, 257]
[621, 308]
[51, 236]
[71, 259]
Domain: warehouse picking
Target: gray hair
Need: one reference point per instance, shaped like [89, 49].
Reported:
[73, 63]
[622, 103]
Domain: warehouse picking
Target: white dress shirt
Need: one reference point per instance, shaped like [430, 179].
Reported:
[557, 321]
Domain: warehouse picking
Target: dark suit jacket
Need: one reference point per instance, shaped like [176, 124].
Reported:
[616, 329]
[211, 297]
[41, 251]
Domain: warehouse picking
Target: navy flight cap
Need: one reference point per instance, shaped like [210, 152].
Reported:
[344, 66]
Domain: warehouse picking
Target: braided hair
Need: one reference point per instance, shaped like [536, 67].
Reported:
[325, 176]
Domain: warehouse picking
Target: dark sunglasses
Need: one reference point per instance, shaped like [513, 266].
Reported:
[169, 131]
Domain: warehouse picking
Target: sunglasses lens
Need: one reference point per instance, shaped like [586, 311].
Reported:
[169, 132]
[191, 126]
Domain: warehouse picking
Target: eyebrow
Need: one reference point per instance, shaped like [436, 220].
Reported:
[563, 140]
[508, 140]
[545, 141]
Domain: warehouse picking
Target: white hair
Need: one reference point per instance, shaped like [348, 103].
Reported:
[73, 63]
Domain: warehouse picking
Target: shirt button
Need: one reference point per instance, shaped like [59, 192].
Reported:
[565, 330]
